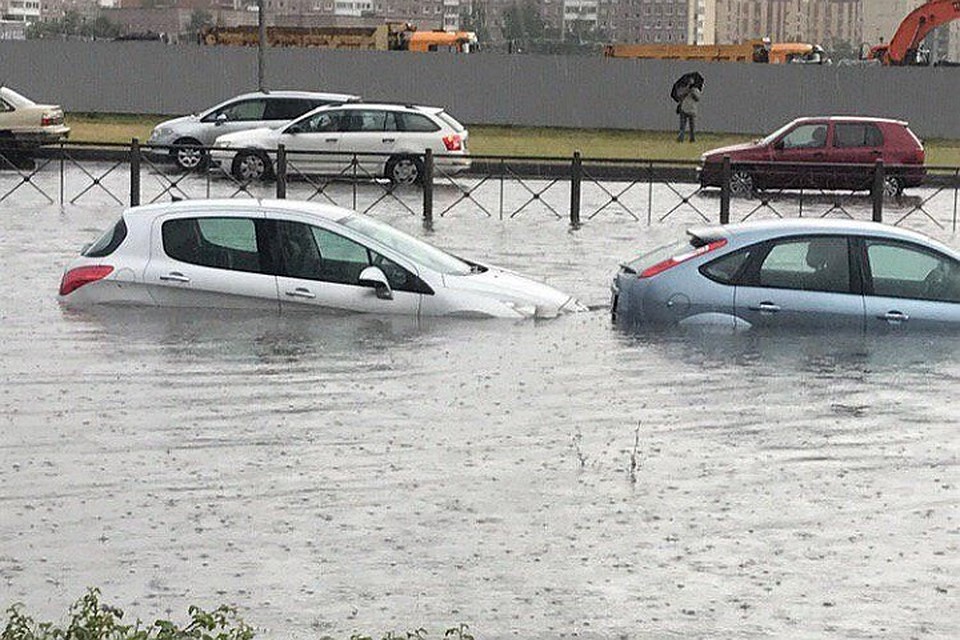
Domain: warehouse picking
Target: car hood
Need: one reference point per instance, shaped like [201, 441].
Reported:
[251, 136]
[176, 121]
[732, 150]
[531, 296]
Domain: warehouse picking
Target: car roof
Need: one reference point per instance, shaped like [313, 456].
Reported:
[239, 207]
[298, 94]
[873, 119]
[390, 106]
[754, 231]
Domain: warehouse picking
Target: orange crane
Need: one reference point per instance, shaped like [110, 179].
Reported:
[905, 44]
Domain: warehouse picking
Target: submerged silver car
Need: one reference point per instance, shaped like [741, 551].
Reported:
[291, 256]
[824, 274]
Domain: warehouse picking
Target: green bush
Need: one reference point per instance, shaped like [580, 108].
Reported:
[91, 620]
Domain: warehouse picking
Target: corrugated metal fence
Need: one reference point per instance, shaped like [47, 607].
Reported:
[529, 90]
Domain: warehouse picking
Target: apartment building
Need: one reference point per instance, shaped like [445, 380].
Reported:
[823, 21]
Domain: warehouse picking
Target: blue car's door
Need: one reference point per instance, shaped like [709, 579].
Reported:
[802, 282]
[910, 288]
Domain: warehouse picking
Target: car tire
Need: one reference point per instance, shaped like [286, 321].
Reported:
[188, 154]
[251, 165]
[892, 187]
[741, 184]
[405, 170]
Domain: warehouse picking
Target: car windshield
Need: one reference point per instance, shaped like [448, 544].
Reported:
[776, 134]
[417, 250]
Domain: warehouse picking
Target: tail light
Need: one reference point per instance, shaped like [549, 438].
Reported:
[50, 119]
[453, 143]
[76, 278]
[669, 263]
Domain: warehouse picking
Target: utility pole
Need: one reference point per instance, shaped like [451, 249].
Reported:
[261, 41]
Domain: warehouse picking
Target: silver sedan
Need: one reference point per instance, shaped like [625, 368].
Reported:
[824, 274]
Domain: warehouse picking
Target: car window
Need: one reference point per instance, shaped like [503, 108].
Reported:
[314, 253]
[806, 136]
[324, 121]
[222, 243]
[364, 120]
[725, 269]
[808, 264]
[416, 122]
[452, 122]
[108, 242]
[244, 110]
[287, 108]
[852, 134]
[900, 271]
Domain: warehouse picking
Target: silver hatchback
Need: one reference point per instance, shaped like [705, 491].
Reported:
[187, 135]
[824, 274]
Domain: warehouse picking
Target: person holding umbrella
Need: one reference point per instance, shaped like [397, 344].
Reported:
[686, 92]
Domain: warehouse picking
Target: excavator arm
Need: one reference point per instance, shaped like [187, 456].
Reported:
[915, 27]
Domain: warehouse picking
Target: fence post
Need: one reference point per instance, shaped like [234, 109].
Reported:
[725, 191]
[281, 172]
[134, 173]
[428, 188]
[877, 191]
[576, 178]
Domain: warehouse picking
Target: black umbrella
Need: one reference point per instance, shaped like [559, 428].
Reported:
[686, 80]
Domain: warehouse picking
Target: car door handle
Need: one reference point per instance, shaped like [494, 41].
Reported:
[894, 317]
[388, 140]
[332, 139]
[174, 276]
[301, 292]
[766, 307]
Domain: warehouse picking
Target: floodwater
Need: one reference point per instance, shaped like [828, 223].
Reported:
[340, 475]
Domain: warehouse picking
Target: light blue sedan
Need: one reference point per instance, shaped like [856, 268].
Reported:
[823, 274]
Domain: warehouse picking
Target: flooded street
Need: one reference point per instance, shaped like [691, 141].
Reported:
[340, 475]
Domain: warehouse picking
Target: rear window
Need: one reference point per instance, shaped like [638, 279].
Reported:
[416, 122]
[450, 121]
[288, 108]
[852, 134]
[108, 242]
[222, 243]
[658, 255]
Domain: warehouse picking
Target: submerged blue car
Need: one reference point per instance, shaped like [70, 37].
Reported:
[828, 274]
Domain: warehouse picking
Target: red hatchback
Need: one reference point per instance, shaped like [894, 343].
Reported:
[833, 152]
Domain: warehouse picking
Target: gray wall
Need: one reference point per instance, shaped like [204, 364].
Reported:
[144, 77]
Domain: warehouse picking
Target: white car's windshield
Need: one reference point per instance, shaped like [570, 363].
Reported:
[417, 250]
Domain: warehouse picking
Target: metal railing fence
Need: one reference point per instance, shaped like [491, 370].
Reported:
[572, 189]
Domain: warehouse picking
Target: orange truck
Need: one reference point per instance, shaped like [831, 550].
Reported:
[761, 51]
[391, 36]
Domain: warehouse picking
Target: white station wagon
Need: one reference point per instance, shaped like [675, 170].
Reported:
[376, 140]
[287, 256]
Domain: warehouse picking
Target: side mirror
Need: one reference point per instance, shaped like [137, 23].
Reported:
[374, 277]
[293, 129]
[778, 145]
[221, 118]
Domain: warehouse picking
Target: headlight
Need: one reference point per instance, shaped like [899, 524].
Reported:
[223, 144]
[160, 132]
[521, 309]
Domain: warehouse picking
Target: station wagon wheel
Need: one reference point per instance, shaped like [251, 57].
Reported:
[189, 154]
[741, 183]
[405, 170]
[892, 187]
[251, 165]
